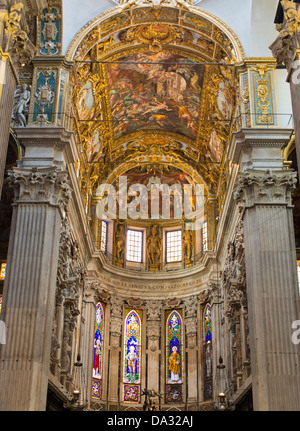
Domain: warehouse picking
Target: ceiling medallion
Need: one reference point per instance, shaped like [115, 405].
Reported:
[155, 34]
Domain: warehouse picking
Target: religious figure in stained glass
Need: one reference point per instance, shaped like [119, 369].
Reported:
[207, 352]
[132, 357]
[174, 354]
[131, 363]
[174, 364]
[98, 352]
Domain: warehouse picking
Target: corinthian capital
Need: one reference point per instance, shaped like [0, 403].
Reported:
[17, 42]
[41, 185]
[265, 187]
[287, 42]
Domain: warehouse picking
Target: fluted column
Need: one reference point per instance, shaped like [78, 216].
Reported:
[29, 290]
[265, 195]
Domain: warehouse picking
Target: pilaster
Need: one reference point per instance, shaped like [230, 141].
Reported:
[42, 194]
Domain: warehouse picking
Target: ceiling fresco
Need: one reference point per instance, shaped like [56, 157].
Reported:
[154, 87]
[155, 91]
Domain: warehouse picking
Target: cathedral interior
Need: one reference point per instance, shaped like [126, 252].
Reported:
[150, 205]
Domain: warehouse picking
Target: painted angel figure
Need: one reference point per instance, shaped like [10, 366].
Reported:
[21, 105]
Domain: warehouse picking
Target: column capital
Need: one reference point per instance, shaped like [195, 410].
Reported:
[257, 187]
[41, 185]
[287, 43]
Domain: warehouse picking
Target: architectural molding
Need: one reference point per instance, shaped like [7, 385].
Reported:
[259, 188]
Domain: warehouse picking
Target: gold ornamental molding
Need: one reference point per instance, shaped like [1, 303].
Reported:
[116, 18]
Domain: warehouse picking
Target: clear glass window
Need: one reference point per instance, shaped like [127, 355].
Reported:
[204, 237]
[134, 246]
[103, 236]
[174, 246]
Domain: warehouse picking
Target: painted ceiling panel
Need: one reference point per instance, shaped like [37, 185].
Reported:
[145, 95]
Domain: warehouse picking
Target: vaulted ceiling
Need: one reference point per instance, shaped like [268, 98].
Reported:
[154, 86]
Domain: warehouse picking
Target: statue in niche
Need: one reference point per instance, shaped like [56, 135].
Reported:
[120, 246]
[21, 105]
[187, 242]
[154, 248]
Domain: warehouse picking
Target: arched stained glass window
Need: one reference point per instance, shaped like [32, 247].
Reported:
[98, 353]
[174, 356]
[207, 352]
[132, 356]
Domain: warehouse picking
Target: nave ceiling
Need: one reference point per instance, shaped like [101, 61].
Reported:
[154, 88]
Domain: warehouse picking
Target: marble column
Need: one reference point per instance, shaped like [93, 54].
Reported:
[264, 192]
[41, 198]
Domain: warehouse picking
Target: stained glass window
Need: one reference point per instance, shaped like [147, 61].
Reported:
[103, 236]
[2, 271]
[134, 250]
[98, 352]
[174, 356]
[204, 237]
[207, 352]
[298, 267]
[174, 246]
[132, 357]
[0, 304]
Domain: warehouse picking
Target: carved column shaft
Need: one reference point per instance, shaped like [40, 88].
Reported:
[29, 291]
[41, 199]
[272, 292]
